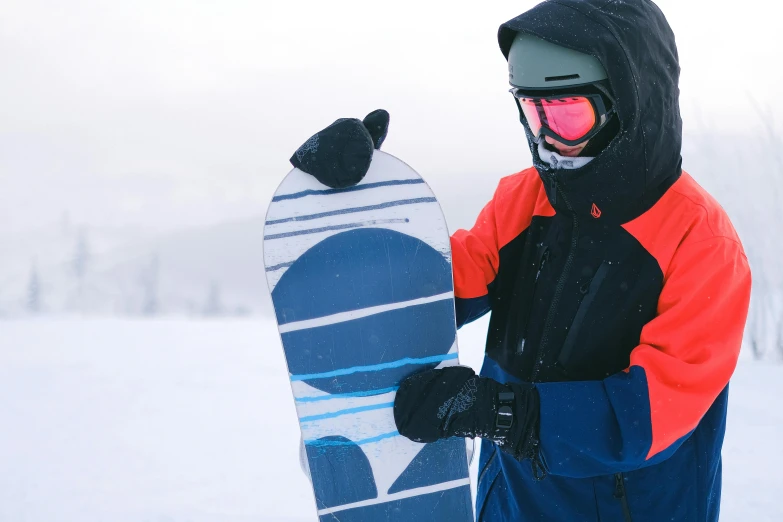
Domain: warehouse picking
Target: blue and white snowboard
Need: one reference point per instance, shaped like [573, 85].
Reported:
[362, 288]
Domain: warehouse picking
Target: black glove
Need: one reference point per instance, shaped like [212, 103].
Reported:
[339, 156]
[455, 402]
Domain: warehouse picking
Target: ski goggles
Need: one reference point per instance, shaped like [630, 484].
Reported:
[568, 118]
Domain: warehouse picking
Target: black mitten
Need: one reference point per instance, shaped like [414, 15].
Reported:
[377, 124]
[340, 155]
[455, 402]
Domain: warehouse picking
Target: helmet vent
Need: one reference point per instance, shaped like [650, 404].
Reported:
[559, 78]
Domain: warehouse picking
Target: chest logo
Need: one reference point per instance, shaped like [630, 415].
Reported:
[595, 212]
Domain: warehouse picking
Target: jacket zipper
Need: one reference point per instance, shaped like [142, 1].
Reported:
[492, 485]
[550, 316]
[541, 263]
[480, 517]
[590, 289]
[486, 466]
[544, 259]
[619, 493]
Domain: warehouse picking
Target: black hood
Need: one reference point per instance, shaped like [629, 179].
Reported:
[634, 43]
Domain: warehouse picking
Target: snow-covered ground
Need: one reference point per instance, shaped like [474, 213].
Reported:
[185, 421]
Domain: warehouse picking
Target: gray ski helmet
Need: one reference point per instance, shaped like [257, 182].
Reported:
[534, 63]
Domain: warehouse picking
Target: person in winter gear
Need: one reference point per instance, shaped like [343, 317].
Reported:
[617, 286]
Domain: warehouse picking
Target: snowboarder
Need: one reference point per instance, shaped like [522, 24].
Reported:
[617, 286]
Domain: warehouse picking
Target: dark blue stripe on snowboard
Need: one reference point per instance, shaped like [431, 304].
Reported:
[324, 442]
[365, 393]
[358, 269]
[347, 411]
[326, 357]
[278, 267]
[326, 192]
[452, 504]
[326, 229]
[341, 472]
[374, 368]
[353, 210]
[438, 462]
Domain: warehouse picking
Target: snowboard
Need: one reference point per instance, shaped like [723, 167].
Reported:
[362, 289]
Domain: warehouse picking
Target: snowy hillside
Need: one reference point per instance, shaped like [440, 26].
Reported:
[193, 421]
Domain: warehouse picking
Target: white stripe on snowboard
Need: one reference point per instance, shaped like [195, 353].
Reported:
[443, 486]
[357, 314]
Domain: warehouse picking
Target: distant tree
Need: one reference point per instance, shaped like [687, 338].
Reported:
[81, 256]
[213, 306]
[756, 329]
[779, 340]
[242, 311]
[767, 320]
[149, 287]
[33, 304]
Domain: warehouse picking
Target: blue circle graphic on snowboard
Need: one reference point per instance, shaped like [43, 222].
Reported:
[352, 271]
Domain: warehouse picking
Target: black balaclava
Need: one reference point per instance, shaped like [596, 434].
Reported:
[634, 43]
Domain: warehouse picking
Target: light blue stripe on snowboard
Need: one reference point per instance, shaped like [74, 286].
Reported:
[318, 442]
[346, 395]
[374, 367]
[326, 229]
[347, 411]
[379, 206]
[326, 192]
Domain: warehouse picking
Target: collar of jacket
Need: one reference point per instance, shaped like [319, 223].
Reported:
[634, 43]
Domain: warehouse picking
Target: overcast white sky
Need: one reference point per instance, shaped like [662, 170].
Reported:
[173, 113]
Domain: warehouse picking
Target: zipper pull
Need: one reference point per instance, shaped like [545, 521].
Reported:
[619, 488]
[544, 259]
[553, 186]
